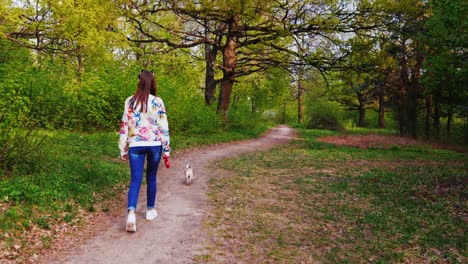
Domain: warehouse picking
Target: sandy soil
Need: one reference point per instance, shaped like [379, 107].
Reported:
[176, 235]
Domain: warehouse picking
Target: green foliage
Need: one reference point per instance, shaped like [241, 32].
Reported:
[445, 63]
[92, 69]
[89, 69]
[242, 119]
[178, 84]
[19, 142]
[20, 150]
[76, 172]
[324, 115]
[53, 98]
[98, 99]
[186, 110]
[351, 119]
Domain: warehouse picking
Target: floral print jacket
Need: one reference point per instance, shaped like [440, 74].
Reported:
[144, 129]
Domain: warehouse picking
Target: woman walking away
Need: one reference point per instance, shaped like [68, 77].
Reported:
[144, 134]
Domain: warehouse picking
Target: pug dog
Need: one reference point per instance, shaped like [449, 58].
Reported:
[188, 174]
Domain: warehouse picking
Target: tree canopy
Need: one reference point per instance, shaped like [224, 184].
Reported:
[406, 58]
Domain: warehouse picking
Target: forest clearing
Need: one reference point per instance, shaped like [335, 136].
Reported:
[320, 131]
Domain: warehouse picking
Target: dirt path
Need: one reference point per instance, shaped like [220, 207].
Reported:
[176, 235]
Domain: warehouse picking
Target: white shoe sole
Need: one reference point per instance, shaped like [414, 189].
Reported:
[150, 217]
[131, 227]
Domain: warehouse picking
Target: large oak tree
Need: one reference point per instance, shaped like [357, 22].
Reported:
[249, 35]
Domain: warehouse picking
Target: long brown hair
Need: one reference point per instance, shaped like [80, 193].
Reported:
[146, 86]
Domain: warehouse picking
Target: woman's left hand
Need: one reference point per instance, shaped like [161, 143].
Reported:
[166, 161]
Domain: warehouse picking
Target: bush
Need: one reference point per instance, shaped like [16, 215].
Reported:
[20, 150]
[323, 115]
[241, 118]
[19, 142]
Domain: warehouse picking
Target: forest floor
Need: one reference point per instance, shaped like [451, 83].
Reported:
[369, 187]
[385, 142]
[176, 235]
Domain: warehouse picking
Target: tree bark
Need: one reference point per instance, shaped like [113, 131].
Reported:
[79, 67]
[449, 121]
[235, 99]
[283, 116]
[381, 121]
[437, 115]
[427, 115]
[229, 65]
[412, 110]
[362, 110]
[210, 82]
[402, 90]
[450, 104]
[413, 94]
[300, 97]
[253, 105]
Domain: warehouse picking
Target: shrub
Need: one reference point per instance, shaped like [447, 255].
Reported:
[323, 115]
[19, 141]
[241, 118]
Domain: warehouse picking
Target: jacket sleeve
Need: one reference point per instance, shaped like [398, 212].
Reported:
[123, 139]
[163, 127]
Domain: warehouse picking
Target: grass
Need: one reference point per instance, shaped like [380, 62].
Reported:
[188, 140]
[76, 175]
[375, 131]
[314, 202]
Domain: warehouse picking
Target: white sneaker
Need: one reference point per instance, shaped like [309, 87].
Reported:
[151, 214]
[131, 222]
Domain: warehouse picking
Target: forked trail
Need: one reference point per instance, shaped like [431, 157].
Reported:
[176, 235]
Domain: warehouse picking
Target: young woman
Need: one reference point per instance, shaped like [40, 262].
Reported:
[144, 134]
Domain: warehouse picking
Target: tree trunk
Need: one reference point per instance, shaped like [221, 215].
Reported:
[210, 82]
[283, 117]
[465, 128]
[402, 117]
[450, 103]
[362, 110]
[437, 115]
[381, 122]
[253, 105]
[427, 115]
[300, 100]
[235, 99]
[412, 110]
[402, 90]
[449, 121]
[413, 94]
[79, 69]
[362, 117]
[229, 65]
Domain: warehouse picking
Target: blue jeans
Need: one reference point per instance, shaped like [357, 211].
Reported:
[136, 157]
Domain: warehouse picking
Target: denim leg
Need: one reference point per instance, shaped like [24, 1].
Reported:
[136, 157]
[154, 156]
